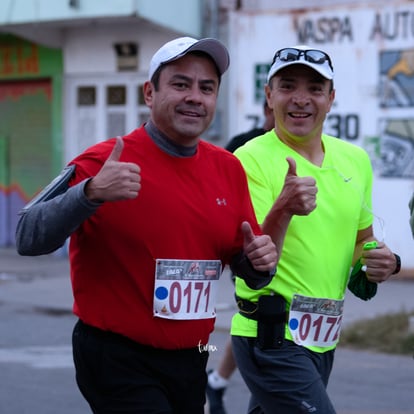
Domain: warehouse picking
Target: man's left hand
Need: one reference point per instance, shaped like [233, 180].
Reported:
[260, 250]
[380, 263]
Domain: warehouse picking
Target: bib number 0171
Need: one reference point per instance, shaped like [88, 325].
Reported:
[186, 289]
[190, 297]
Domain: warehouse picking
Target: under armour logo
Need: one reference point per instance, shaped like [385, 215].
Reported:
[221, 201]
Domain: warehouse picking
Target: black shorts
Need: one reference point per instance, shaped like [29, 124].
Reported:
[117, 375]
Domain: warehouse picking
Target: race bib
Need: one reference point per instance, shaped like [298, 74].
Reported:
[315, 321]
[186, 289]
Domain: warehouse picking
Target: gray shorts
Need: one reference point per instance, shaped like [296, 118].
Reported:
[288, 380]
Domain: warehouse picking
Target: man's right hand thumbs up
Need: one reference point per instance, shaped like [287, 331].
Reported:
[116, 180]
[298, 193]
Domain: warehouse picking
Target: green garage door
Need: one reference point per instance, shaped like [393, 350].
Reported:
[25, 147]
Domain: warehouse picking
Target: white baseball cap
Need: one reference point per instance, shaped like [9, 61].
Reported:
[179, 47]
[316, 59]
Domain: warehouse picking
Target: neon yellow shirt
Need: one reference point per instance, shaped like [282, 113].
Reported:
[318, 249]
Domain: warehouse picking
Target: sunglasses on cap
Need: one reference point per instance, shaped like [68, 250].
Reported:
[291, 54]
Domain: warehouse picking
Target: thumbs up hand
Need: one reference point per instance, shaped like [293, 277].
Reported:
[116, 180]
[298, 195]
[260, 250]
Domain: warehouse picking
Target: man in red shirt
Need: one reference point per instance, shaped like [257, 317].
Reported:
[153, 217]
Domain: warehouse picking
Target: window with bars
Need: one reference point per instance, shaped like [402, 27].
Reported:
[86, 96]
[116, 95]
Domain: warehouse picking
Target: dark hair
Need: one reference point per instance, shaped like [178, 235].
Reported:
[156, 76]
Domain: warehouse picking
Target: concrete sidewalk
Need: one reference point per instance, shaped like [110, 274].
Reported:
[41, 281]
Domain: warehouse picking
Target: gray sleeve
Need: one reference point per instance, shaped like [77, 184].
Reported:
[45, 226]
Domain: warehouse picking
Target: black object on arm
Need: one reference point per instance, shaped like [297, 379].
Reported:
[398, 265]
[242, 267]
[58, 186]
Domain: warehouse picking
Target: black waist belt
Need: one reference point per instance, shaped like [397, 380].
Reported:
[250, 310]
[246, 308]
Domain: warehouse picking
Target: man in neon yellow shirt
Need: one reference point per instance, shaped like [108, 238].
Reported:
[312, 194]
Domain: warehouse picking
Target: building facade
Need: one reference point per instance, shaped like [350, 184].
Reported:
[71, 74]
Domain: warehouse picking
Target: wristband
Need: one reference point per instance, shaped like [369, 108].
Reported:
[398, 265]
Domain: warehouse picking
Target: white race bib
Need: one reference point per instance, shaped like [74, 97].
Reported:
[315, 321]
[186, 289]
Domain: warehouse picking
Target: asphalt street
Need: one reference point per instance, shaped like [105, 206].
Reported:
[37, 374]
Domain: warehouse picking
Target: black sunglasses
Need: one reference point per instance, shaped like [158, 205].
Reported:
[291, 54]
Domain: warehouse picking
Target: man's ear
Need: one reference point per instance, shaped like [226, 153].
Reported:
[148, 89]
[331, 99]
